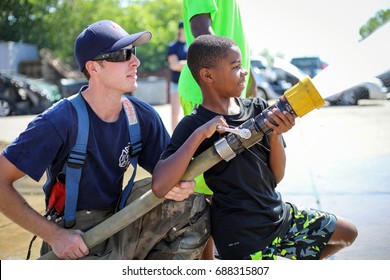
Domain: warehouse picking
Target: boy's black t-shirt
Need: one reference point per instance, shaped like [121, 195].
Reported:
[246, 211]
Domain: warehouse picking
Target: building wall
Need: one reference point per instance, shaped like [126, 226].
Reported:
[12, 53]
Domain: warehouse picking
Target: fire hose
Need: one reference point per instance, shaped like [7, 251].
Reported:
[299, 100]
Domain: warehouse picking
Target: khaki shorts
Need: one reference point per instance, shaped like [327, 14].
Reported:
[171, 230]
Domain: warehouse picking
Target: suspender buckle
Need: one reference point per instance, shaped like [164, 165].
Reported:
[69, 224]
[136, 148]
[76, 159]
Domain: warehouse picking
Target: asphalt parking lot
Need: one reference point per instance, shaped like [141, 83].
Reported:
[338, 159]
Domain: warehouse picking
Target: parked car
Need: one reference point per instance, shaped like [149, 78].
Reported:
[263, 74]
[22, 95]
[264, 88]
[385, 78]
[273, 81]
[372, 90]
[311, 65]
[69, 87]
[287, 75]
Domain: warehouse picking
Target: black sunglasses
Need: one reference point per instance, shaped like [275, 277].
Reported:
[117, 56]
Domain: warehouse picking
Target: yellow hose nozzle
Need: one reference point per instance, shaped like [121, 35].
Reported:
[303, 97]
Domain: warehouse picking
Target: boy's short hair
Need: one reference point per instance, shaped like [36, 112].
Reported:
[205, 52]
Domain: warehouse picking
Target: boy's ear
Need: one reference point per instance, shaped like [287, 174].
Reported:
[206, 75]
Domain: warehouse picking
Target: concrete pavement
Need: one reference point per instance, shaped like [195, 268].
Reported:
[338, 159]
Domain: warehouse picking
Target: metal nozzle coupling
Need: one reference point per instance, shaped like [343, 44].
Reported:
[242, 132]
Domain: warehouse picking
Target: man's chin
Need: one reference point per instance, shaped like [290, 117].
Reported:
[134, 87]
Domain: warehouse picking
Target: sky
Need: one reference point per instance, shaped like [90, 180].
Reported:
[327, 28]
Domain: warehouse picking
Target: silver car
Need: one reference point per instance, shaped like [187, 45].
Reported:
[372, 89]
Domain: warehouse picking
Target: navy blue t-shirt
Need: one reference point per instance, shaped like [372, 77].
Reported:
[180, 49]
[45, 145]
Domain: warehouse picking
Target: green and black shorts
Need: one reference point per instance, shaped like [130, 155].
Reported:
[310, 231]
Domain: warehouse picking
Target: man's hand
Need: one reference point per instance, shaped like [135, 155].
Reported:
[181, 191]
[69, 245]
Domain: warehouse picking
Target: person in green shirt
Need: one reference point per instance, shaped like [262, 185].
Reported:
[216, 17]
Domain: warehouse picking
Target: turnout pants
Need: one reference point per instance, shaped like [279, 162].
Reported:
[170, 231]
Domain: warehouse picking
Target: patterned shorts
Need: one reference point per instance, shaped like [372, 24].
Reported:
[309, 232]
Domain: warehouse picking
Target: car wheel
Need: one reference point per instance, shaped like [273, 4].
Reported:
[6, 108]
[261, 93]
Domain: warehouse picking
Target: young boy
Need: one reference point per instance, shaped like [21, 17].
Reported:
[249, 218]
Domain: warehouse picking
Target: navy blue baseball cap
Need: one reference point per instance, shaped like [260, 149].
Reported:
[102, 37]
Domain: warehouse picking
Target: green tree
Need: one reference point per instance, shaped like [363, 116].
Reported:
[62, 26]
[161, 18]
[55, 24]
[20, 20]
[381, 17]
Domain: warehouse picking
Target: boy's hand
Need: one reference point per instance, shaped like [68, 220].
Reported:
[284, 120]
[211, 126]
[181, 191]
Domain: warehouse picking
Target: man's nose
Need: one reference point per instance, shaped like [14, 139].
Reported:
[134, 61]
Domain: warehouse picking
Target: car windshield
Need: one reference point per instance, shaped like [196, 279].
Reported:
[293, 70]
[258, 63]
[304, 62]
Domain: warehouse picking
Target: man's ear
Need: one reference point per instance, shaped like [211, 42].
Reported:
[206, 75]
[91, 67]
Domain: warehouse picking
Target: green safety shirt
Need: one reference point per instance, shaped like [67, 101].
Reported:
[226, 21]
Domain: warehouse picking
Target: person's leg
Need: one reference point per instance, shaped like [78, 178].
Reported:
[176, 110]
[344, 235]
[312, 235]
[171, 230]
[86, 220]
[187, 239]
[309, 234]
[208, 252]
